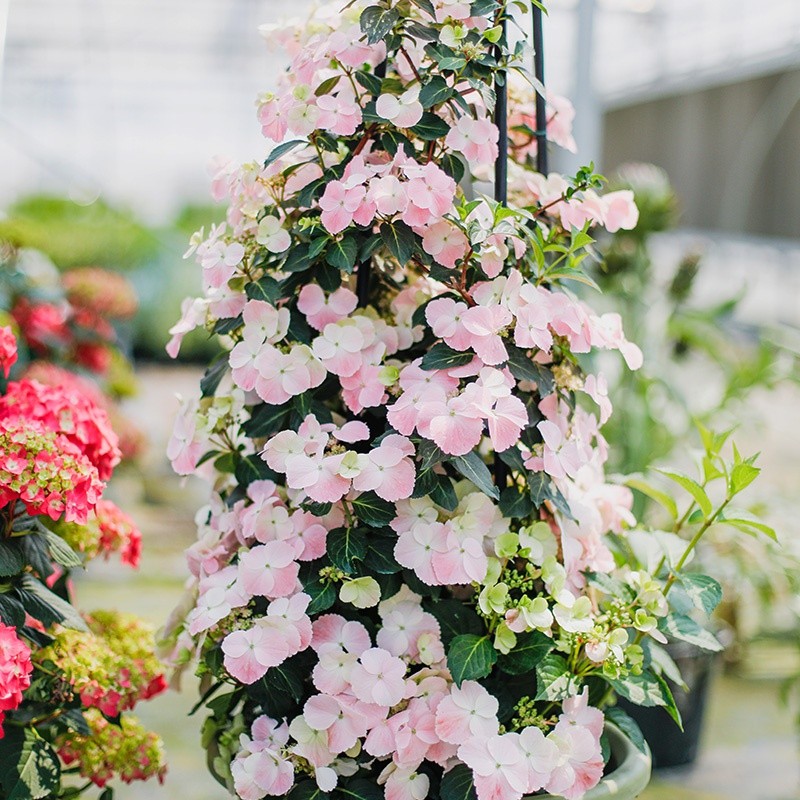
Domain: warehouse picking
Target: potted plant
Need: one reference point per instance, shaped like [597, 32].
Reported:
[413, 579]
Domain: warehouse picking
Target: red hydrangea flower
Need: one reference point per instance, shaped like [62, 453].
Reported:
[15, 670]
[70, 412]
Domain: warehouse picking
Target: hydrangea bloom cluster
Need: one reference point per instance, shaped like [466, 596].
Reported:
[107, 530]
[15, 671]
[406, 573]
[69, 413]
[57, 667]
[111, 666]
[65, 325]
[108, 750]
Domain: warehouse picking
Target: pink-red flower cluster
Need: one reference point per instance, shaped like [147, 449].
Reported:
[15, 670]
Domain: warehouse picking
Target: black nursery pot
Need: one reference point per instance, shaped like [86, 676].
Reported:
[670, 746]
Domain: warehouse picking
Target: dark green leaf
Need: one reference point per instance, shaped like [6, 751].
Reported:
[29, 767]
[225, 326]
[298, 259]
[380, 553]
[443, 492]
[210, 381]
[400, 239]
[47, 607]
[253, 468]
[307, 789]
[472, 467]
[441, 356]
[453, 166]
[282, 150]
[74, 720]
[266, 420]
[327, 86]
[370, 81]
[539, 487]
[435, 92]
[345, 546]
[322, 594]
[554, 679]
[457, 784]
[282, 687]
[627, 725]
[470, 657]
[359, 789]
[373, 510]
[455, 618]
[12, 560]
[11, 611]
[377, 22]
[530, 649]
[266, 289]
[342, 253]
[431, 127]
[515, 504]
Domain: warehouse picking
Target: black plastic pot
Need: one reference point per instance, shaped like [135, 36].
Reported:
[670, 746]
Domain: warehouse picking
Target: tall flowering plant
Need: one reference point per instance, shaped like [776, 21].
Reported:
[412, 579]
[67, 680]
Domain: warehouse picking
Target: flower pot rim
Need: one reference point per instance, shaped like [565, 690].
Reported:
[630, 777]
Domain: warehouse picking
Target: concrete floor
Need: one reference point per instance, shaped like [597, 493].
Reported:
[750, 750]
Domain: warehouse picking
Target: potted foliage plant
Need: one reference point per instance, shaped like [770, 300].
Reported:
[413, 579]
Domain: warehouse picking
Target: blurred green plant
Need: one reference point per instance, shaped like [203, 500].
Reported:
[700, 369]
[76, 235]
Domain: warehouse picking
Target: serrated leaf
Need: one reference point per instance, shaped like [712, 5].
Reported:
[282, 150]
[693, 488]
[470, 657]
[343, 253]
[61, 552]
[683, 627]
[360, 789]
[251, 469]
[370, 81]
[322, 594]
[12, 560]
[400, 239]
[746, 522]
[380, 553]
[629, 727]
[457, 784]
[704, 591]
[554, 680]
[11, 611]
[442, 356]
[647, 489]
[346, 546]
[473, 468]
[373, 510]
[377, 22]
[47, 607]
[530, 649]
[443, 493]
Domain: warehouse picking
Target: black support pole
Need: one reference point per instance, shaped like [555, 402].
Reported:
[501, 196]
[541, 102]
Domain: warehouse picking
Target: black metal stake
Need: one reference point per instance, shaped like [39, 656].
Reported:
[541, 102]
[501, 195]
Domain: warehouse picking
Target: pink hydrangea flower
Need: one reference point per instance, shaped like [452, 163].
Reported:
[468, 711]
[269, 570]
[379, 677]
[475, 139]
[15, 669]
[322, 310]
[8, 349]
[388, 470]
[445, 242]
